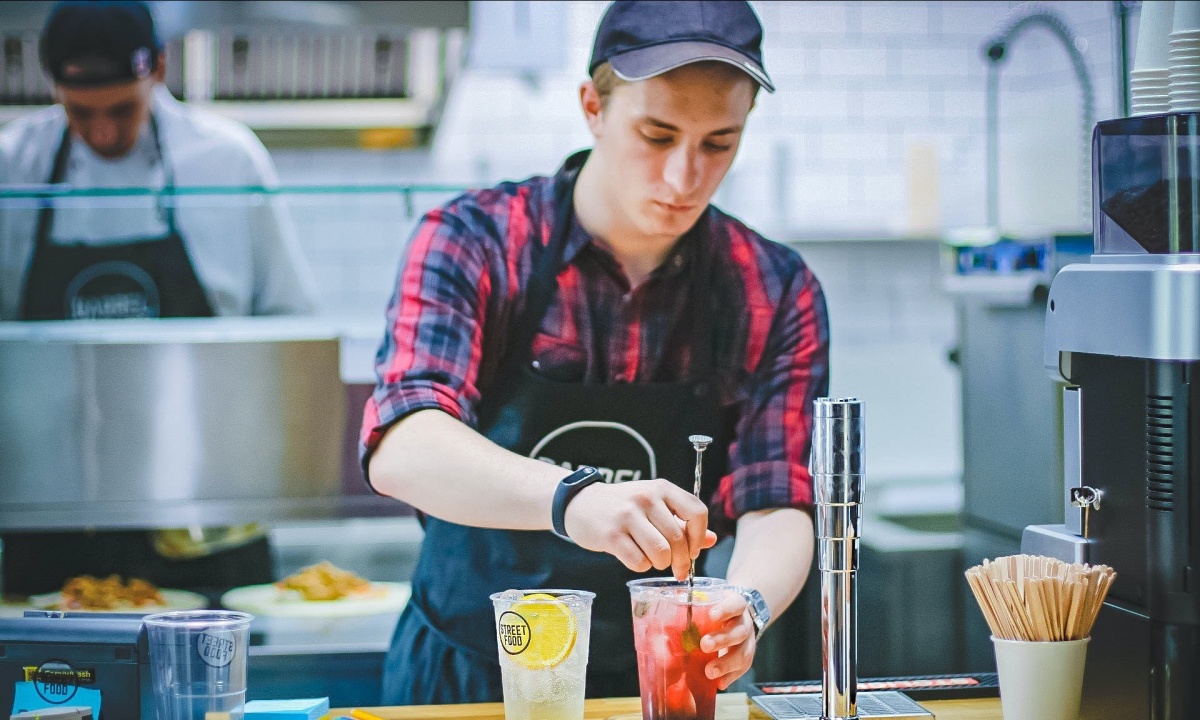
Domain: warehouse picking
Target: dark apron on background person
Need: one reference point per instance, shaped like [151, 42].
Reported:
[444, 649]
[142, 278]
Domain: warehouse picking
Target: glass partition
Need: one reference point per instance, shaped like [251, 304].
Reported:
[350, 236]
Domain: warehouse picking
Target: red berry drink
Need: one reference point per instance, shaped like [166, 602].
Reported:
[671, 665]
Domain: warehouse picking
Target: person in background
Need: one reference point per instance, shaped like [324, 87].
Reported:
[559, 331]
[116, 125]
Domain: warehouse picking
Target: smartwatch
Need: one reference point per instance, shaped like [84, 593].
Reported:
[760, 614]
[566, 491]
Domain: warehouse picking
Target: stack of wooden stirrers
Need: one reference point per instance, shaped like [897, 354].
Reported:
[1039, 599]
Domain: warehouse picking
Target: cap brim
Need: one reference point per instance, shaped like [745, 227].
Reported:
[648, 62]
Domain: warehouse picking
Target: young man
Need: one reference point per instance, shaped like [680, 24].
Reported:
[115, 125]
[598, 318]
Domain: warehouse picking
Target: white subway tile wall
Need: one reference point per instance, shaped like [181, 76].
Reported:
[859, 84]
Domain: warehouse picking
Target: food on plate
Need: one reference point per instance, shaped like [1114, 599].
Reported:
[111, 593]
[325, 581]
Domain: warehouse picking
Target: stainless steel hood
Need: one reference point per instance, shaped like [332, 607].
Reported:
[315, 73]
[170, 423]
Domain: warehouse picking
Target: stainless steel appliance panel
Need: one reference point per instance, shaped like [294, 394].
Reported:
[104, 432]
[1011, 420]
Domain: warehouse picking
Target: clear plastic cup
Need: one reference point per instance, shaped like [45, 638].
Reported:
[198, 663]
[667, 628]
[543, 638]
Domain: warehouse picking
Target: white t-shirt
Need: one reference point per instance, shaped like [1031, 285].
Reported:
[244, 248]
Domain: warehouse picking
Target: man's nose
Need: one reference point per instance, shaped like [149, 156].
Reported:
[681, 172]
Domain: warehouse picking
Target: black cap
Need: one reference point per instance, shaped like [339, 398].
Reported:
[92, 43]
[644, 38]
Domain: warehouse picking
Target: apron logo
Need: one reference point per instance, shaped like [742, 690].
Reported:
[112, 290]
[619, 452]
[513, 631]
[216, 647]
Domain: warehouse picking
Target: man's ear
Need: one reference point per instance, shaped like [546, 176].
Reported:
[160, 68]
[589, 102]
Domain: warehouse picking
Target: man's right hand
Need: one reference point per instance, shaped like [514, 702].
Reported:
[644, 524]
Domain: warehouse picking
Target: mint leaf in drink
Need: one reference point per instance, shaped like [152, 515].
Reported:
[690, 638]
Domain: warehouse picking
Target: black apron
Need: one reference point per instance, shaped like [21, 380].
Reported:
[151, 277]
[444, 649]
[147, 277]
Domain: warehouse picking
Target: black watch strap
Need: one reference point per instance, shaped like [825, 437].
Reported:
[566, 491]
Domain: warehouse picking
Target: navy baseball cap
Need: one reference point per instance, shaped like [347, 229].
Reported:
[644, 38]
[88, 43]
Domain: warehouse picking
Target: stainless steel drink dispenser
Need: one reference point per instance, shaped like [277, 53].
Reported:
[838, 468]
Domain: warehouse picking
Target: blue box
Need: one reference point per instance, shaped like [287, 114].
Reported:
[309, 709]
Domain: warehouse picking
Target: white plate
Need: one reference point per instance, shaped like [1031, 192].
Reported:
[270, 601]
[175, 600]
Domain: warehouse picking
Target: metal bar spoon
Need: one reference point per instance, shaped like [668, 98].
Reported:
[691, 634]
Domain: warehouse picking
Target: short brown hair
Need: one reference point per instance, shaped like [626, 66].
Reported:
[606, 80]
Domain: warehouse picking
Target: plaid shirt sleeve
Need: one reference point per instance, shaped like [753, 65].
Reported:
[768, 458]
[430, 354]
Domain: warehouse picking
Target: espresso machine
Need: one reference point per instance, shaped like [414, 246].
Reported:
[1123, 333]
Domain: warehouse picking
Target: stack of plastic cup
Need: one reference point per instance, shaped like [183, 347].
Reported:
[1184, 56]
[1150, 81]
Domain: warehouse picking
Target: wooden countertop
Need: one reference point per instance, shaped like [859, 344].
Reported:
[732, 706]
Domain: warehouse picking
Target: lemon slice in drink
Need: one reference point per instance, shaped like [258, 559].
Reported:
[552, 631]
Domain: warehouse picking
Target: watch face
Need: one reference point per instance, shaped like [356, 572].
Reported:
[759, 611]
[583, 473]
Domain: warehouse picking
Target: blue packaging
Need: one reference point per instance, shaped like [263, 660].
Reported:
[309, 709]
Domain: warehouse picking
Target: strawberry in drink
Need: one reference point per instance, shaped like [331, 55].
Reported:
[667, 637]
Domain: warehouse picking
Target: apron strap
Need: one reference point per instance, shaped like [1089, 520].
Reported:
[547, 261]
[58, 171]
[702, 308]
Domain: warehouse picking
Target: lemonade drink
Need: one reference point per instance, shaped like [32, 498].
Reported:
[670, 663]
[543, 644]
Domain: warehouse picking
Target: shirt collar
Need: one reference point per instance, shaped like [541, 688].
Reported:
[678, 260]
[577, 238]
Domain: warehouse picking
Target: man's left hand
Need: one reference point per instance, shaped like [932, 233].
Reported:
[733, 641]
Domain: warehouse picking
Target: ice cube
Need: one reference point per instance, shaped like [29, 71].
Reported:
[668, 660]
[536, 685]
